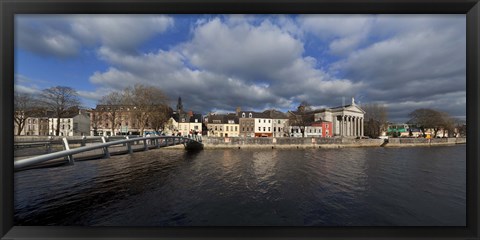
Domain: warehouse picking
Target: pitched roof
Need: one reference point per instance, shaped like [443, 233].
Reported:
[196, 116]
[254, 114]
[274, 114]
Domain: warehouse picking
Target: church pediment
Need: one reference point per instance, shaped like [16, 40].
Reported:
[354, 108]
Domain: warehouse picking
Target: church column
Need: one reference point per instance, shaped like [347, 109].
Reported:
[346, 126]
[337, 126]
[353, 126]
[361, 127]
[356, 127]
[349, 126]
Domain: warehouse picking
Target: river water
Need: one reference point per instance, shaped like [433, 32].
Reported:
[419, 186]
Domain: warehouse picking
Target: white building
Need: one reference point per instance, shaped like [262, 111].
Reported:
[348, 120]
[280, 124]
[74, 125]
[263, 126]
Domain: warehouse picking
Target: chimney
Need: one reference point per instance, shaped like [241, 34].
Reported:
[238, 111]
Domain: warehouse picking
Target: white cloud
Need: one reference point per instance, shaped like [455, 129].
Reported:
[64, 35]
[120, 32]
[227, 64]
[343, 32]
[260, 62]
[26, 89]
[241, 49]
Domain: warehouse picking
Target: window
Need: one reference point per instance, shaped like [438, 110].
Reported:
[274, 129]
[196, 120]
[215, 128]
[269, 129]
[226, 128]
[278, 121]
[243, 129]
[236, 128]
[243, 115]
[264, 129]
[269, 121]
[250, 115]
[259, 129]
[259, 121]
[264, 121]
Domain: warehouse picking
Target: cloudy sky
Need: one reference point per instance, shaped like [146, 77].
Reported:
[257, 62]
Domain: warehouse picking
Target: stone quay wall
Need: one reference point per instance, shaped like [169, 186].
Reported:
[309, 142]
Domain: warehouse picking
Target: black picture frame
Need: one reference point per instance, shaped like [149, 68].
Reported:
[8, 9]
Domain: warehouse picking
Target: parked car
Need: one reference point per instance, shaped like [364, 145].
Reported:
[383, 137]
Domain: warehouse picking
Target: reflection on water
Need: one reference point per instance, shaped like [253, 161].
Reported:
[264, 164]
[326, 187]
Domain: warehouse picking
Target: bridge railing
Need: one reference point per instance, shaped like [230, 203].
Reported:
[55, 144]
[68, 153]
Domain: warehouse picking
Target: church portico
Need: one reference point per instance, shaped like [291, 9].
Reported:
[348, 120]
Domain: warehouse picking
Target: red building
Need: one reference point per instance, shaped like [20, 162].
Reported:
[327, 128]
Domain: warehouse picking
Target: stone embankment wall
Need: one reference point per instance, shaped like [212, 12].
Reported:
[238, 142]
[219, 142]
[401, 142]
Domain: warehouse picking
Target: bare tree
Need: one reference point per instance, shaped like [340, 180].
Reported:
[448, 124]
[25, 106]
[110, 111]
[302, 117]
[425, 118]
[159, 118]
[60, 101]
[148, 101]
[95, 119]
[375, 119]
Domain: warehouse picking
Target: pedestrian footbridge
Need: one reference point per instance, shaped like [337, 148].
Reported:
[128, 145]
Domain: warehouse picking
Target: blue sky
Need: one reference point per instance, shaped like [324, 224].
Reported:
[257, 62]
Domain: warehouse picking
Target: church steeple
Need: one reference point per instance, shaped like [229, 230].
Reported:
[179, 105]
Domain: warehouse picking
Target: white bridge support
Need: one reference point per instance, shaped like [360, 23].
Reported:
[105, 149]
[67, 147]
